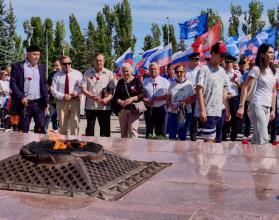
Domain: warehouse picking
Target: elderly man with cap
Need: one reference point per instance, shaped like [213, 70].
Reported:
[29, 91]
[211, 92]
[191, 73]
[235, 85]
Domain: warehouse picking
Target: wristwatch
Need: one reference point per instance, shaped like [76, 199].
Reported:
[241, 105]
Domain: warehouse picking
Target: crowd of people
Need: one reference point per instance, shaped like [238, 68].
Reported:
[213, 97]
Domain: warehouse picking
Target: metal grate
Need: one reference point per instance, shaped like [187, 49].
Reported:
[108, 179]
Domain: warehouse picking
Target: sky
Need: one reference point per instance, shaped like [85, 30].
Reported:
[144, 12]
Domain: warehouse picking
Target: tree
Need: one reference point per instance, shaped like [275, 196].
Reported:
[236, 12]
[59, 39]
[156, 34]
[38, 33]
[124, 37]
[274, 21]
[154, 40]
[4, 36]
[78, 50]
[169, 34]
[90, 41]
[212, 19]
[48, 35]
[103, 42]
[253, 22]
[12, 50]
[148, 42]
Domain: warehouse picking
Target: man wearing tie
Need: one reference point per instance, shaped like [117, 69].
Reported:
[66, 89]
[29, 91]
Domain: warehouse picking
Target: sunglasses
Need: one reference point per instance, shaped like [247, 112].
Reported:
[65, 64]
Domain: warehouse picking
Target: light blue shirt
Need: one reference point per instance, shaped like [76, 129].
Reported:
[31, 81]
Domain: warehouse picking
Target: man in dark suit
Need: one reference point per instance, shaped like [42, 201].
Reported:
[29, 91]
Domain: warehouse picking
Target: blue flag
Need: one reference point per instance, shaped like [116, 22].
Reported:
[231, 44]
[267, 36]
[194, 27]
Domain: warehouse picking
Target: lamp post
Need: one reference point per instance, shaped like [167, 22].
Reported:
[28, 29]
[168, 30]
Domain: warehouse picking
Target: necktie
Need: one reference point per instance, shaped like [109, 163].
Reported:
[67, 84]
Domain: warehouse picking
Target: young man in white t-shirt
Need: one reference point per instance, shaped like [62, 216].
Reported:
[211, 92]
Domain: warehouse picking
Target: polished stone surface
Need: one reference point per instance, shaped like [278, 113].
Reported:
[205, 181]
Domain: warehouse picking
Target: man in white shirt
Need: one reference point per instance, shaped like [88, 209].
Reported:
[155, 89]
[191, 73]
[98, 86]
[235, 84]
[66, 89]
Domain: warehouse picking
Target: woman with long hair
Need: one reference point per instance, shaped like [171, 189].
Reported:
[261, 84]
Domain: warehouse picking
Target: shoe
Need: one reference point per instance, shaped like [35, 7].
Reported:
[245, 140]
[275, 142]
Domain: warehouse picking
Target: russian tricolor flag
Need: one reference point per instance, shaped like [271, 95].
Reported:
[181, 58]
[126, 57]
[161, 57]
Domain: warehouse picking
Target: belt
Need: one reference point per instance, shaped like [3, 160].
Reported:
[33, 101]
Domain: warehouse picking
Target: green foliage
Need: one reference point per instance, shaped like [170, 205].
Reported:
[148, 42]
[169, 34]
[236, 12]
[90, 41]
[154, 40]
[49, 41]
[8, 52]
[212, 19]
[103, 42]
[59, 40]
[156, 33]
[124, 37]
[38, 33]
[273, 17]
[78, 50]
[253, 21]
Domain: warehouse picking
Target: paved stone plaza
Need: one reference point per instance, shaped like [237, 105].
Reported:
[205, 181]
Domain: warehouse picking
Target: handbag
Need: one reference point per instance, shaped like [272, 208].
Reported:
[181, 116]
[136, 107]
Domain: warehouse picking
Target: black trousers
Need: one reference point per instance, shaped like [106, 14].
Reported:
[103, 117]
[154, 119]
[193, 124]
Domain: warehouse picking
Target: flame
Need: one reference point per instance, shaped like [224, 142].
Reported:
[57, 138]
[59, 143]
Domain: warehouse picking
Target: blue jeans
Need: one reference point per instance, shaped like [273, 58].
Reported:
[173, 129]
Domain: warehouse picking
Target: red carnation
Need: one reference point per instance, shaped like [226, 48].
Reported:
[91, 77]
[97, 77]
[29, 78]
